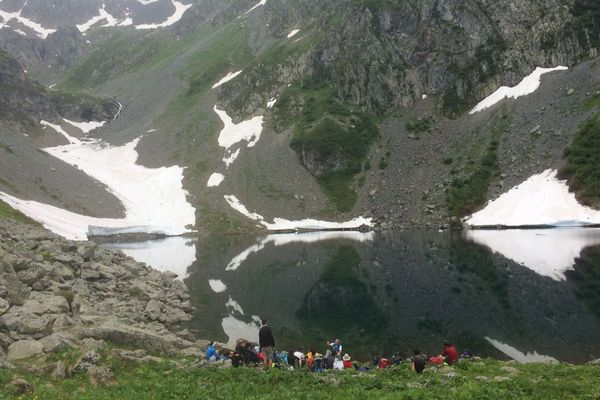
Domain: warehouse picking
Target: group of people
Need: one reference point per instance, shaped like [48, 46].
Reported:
[247, 353]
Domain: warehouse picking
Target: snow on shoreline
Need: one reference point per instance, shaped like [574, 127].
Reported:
[519, 356]
[227, 78]
[279, 224]
[153, 198]
[541, 200]
[548, 252]
[528, 85]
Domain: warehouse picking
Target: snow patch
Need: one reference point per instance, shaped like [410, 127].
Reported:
[542, 199]
[174, 254]
[34, 26]
[85, 127]
[548, 252]
[231, 303]
[293, 33]
[528, 85]
[227, 78]
[260, 3]
[271, 102]
[228, 160]
[249, 130]
[60, 130]
[284, 224]
[215, 180]
[217, 285]
[287, 238]
[102, 15]
[235, 329]
[153, 198]
[180, 9]
[146, 2]
[519, 356]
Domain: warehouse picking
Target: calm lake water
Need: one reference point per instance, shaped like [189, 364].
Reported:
[523, 294]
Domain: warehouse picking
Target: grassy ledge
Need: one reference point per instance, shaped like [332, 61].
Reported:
[178, 379]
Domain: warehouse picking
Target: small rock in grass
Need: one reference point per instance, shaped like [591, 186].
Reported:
[20, 386]
[60, 371]
[510, 370]
[501, 378]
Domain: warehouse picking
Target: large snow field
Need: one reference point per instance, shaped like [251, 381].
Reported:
[528, 85]
[542, 199]
[153, 198]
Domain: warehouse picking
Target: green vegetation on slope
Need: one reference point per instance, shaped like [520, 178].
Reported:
[583, 162]
[7, 211]
[164, 381]
[331, 138]
[467, 194]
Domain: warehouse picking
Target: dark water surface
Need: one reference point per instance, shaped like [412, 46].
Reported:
[528, 295]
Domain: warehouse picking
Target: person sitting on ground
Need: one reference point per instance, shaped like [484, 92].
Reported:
[318, 364]
[466, 354]
[384, 363]
[266, 343]
[330, 360]
[347, 361]
[309, 359]
[211, 353]
[298, 358]
[418, 362]
[449, 353]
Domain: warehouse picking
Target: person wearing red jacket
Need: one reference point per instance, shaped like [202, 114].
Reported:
[449, 353]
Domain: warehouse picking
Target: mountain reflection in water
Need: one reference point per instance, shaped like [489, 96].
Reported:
[492, 292]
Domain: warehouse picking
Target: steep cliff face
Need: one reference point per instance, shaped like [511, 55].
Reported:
[382, 55]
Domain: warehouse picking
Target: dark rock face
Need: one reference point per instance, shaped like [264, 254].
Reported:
[382, 56]
[25, 102]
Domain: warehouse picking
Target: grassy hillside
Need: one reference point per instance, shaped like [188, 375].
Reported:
[487, 379]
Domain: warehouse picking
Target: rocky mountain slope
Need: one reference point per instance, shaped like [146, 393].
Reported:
[365, 103]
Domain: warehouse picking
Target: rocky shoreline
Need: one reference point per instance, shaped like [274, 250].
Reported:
[57, 295]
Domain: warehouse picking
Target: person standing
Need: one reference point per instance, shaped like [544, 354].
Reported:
[418, 362]
[266, 341]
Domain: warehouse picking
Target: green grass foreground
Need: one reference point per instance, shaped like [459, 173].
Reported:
[467, 380]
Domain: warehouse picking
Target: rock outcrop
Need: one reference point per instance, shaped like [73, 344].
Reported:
[57, 295]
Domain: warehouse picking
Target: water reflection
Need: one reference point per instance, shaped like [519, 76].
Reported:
[549, 252]
[173, 254]
[382, 293]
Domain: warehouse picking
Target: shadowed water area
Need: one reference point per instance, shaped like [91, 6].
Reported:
[528, 295]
